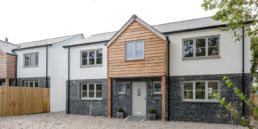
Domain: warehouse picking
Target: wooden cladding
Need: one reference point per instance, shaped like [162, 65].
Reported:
[7, 65]
[155, 54]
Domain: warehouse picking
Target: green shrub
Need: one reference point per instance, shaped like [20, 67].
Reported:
[152, 110]
[120, 110]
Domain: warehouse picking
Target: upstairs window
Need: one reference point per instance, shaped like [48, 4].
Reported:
[135, 50]
[201, 47]
[31, 59]
[91, 57]
[201, 91]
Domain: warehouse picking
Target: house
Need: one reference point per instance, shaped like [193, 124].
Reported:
[176, 68]
[43, 64]
[7, 63]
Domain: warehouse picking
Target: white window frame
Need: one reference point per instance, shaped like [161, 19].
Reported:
[154, 92]
[31, 61]
[88, 59]
[28, 82]
[124, 84]
[95, 92]
[206, 48]
[134, 50]
[206, 92]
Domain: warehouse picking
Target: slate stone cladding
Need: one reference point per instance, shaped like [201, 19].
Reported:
[41, 80]
[203, 111]
[125, 100]
[87, 107]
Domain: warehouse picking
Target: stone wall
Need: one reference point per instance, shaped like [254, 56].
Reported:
[87, 107]
[202, 111]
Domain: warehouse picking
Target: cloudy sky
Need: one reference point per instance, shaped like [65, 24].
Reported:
[29, 20]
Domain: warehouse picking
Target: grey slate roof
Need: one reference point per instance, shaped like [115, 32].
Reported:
[162, 28]
[7, 47]
[45, 41]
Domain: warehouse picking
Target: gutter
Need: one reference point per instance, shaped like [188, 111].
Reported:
[90, 43]
[47, 67]
[68, 84]
[168, 78]
[31, 47]
[243, 69]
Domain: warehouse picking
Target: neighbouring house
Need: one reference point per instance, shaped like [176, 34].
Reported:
[175, 68]
[7, 63]
[43, 64]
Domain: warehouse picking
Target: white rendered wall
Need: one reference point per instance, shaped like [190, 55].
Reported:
[38, 71]
[58, 69]
[230, 60]
[91, 72]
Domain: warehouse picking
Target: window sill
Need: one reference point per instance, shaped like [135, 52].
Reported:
[201, 101]
[128, 60]
[30, 66]
[157, 93]
[198, 58]
[121, 93]
[91, 98]
[88, 66]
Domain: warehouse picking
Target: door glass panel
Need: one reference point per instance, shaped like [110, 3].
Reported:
[138, 92]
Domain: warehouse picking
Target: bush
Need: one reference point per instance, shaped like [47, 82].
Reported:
[120, 110]
[152, 110]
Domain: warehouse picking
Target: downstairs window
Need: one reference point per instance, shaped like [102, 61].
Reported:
[206, 91]
[91, 91]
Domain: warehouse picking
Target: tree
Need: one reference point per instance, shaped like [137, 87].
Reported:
[238, 14]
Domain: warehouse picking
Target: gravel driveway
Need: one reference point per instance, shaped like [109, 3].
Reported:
[63, 121]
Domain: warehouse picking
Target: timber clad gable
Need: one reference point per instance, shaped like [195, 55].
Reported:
[155, 53]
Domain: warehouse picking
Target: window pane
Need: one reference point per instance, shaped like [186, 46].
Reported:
[188, 48]
[213, 51]
[36, 59]
[157, 87]
[91, 87]
[84, 94]
[121, 87]
[98, 94]
[213, 85]
[188, 86]
[200, 47]
[200, 85]
[84, 87]
[98, 86]
[36, 84]
[84, 54]
[213, 90]
[31, 84]
[129, 50]
[213, 42]
[91, 94]
[188, 94]
[91, 57]
[200, 90]
[99, 57]
[84, 61]
[200, 94]
[140, 50]
[200, 43]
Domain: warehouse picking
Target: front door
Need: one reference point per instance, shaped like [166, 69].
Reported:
[139, 98]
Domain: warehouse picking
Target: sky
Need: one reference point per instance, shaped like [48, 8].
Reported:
[30, 20]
